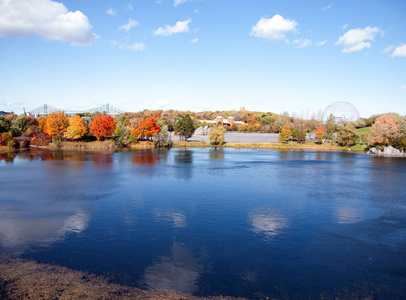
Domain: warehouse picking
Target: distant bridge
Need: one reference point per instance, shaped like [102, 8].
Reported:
[45, 110]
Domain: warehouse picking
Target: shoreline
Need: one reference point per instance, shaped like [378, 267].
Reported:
[22, 278]
[108, 145]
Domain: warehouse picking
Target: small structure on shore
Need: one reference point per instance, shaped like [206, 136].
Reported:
[224, 122]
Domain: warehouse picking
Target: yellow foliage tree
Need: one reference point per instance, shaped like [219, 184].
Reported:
[56, 124]
[285, 133]
[76, 128]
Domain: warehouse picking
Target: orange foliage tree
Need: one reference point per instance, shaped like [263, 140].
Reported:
[146, 129]
[102, 126]
[76, 129]
[56, 124]
[320, 134]
[384, 131]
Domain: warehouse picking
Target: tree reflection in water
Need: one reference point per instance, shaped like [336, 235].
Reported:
[102, 160]
[184, 166]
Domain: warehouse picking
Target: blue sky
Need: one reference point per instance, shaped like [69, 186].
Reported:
[266, 55]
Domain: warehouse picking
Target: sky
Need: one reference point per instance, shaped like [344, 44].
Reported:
[265, 55]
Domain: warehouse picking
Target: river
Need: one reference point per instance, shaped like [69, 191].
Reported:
[250, 223]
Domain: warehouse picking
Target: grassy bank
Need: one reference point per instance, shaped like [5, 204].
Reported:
[297, 146]
[95, 145]
[110, 145]
[360, 131]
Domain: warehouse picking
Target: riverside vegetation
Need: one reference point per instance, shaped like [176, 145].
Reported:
[152, 129]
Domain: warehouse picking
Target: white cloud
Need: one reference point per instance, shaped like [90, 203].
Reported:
[274, 28]
[178, 2]
[356, 39]
[302, 43]
[344, 26]
[134, 47]
[399, 51]
[403, 86]
[327, 7]
[110, 11]
[321, 43]
[47, 19]
[388, 49]
[196, 11]
[129, 6]
[180, 26]
[194, 41]
[160, 104]
[130, 24]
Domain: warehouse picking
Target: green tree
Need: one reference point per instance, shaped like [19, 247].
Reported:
[295, 133]
[21, 123]
[4, 125]
[330, 127]
[163, 138]
[347, 136]
[123, 135]
[185, 127]
[217, 135]
[285, 134]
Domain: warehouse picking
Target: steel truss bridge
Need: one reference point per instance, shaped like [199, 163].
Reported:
[47, 109]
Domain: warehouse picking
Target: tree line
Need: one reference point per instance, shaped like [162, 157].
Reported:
[128, 128]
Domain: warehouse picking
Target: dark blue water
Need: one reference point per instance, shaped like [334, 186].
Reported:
[213, 222]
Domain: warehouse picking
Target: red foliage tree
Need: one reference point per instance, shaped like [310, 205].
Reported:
[102, 126]
[3, 140]
[146, 129]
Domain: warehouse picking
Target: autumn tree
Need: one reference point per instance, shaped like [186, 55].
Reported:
[320, 134]
[285, 133]
[102, 126]
[56, 124]
[301, 136]
[76, 128]
[145, 129]
[384, 131]
[217, 135]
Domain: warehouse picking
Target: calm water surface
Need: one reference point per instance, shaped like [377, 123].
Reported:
[213, 222]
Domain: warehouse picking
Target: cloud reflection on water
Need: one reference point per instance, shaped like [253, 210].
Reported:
[176, 219]
[22, 230]
[178, 272]
[268, 222]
